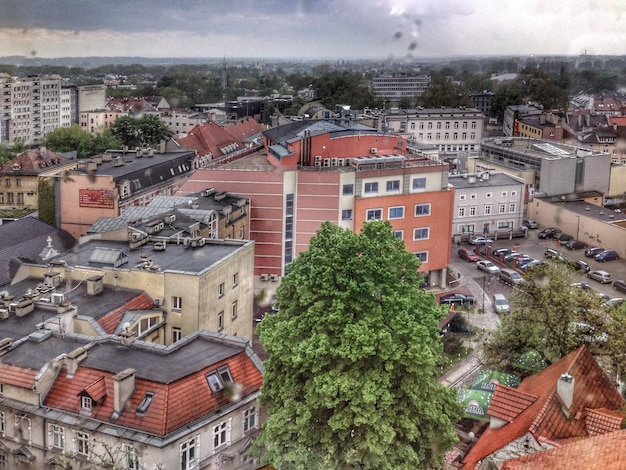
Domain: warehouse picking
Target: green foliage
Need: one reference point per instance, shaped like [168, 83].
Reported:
[144, 131]
[69, 139]
[350, 381]
[344, 88]
[46, 201]
[548, 315]
[443, 92]
[10, 151]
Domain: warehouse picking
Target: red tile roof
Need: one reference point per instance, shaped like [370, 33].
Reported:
[545, 417]
[110, 321]
[209, 138]
[35, 159]
[606, 452]
[602, 420]
[173, 405]
[14, 375]
[507, 403]
[243, 129]
[96, 390]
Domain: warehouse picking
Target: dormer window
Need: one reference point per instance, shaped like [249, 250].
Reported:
[145, 402]
[86, 403]
[218, 379]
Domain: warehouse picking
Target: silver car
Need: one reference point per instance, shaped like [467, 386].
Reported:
[487, 266]
[601, 276]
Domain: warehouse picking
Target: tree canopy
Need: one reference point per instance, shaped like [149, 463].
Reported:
[350, 381]
[553, 317]
[73, 138]
[443, 92]
[137, 132]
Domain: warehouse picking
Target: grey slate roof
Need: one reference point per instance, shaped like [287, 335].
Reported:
[24, 240]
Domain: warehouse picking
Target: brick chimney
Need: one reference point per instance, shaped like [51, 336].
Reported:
[565, 389]
[123, 388]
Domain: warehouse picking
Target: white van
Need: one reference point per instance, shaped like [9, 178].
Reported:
[500, 303]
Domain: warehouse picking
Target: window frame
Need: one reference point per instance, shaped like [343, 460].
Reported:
[425, 230]
[390, 186]
[347, 189]
[191, 449]
[177, 302]
[57, 437]
[416, 183]
[82, 443]
[395, 209]
[221, 434]
[346, 214]
[370, 214]
[250, 419]
[221, 289]
[370, 187]
[233, 310]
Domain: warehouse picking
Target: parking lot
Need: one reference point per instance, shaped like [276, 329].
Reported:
[535, 248]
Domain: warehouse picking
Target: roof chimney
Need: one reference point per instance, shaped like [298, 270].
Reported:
[123, 388]
[73, 359]
[565, 389]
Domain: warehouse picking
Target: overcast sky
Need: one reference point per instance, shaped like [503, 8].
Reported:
[310, 28]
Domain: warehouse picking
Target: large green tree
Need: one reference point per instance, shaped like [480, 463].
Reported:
[137, 132]
[69, 139]
[350, 381]
[443, 92]
[553, 317]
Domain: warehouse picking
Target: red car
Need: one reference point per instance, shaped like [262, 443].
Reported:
[468, 255]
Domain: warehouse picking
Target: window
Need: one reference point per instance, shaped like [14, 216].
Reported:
[348, 189]
[396, 212]
[242, 232]
[429, 136]
[504, 193]
[473, 124]
[3, 425]
[249, 419]
[10, 198]
[461, 197]
[235, 279]
[57, 436]
[412, 125]
[438, 125]
[145, 402]
[461, 211]
[146, 323]
[472, 196]
[513, 193]
[422, 210]
[7, 182]
[447, 135]
[371, 188]
[421, 125]
[487, 210]
[374, 214]
[130, 457]
[422, 256]
[81, 440]
[346, 214]
[512, 207]
[177, 303]
[455, 136]
[430, 125]
[18, 182]
[421, 233]
[488, 195]
[20, 198]
[473, 135]
[438, 136]
[233, 310]
[220, 321]
[177, 334]
[221, 434]
[419, 183]
[472, 210]
[464, 135]
[220, 290]
[399, 233]
[447, 124]
[189, 454]
[1, 198]
[502, 209]
[393, 185]
[86, 403]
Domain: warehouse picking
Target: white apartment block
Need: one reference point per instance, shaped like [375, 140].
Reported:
[396, 86]
[451, 130]
[487, 202]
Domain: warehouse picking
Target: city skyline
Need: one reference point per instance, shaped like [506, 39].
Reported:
[343, 29]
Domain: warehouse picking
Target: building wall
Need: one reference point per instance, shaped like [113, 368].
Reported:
[617, 180]
[595, 174]
[590, 230]
[91, 97]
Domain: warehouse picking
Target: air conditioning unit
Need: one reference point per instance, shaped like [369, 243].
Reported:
[333, 162]
[373, 150]
[159, 301]
[341, 162]
[318, 160]
[273, 277]
[327, 162]
[265, 277]
[58, 298]
[136, 236]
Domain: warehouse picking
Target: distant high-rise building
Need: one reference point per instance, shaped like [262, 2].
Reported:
[396, 86]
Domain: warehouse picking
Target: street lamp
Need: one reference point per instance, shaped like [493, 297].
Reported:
[577, 226]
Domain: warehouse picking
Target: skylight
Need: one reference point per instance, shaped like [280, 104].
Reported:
[145, 402]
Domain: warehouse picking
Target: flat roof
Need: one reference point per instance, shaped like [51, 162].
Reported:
[473, 181]
[176, 257]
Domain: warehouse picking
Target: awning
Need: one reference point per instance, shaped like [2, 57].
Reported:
[488, 379]
[475, 402]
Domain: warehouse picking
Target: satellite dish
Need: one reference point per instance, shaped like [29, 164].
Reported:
[126, 326]
[4, 293]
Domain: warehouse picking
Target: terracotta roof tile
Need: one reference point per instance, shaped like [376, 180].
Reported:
[545, 417]
[110, 321]
[602, 420]
[507, 403]
[97, 390]
[209, 138]
[17, 376]
[173, 405]
[606, 452]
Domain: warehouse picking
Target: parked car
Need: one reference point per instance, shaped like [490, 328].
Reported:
[607, 255]
[562, 237]
[531, 265]
[511, 277]
[529, 223]
[619, 285]
[501, 304]
[480, 241]
[601, 276]
[512, 255]
[614, 302]
[488, 267]
[581, 285]
[575, 245]
[501, 251]
[551, 253]
[593, 251]
[581, 266]
[456, 298]
[549, 232]
[468, 254]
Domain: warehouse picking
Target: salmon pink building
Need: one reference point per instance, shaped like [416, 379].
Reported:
[315, 171]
